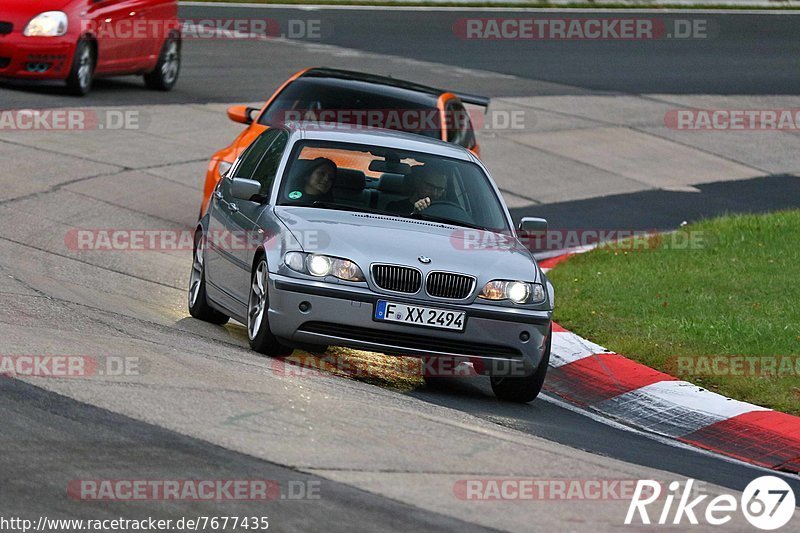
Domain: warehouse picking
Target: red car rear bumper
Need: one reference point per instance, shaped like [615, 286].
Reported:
[36, 58]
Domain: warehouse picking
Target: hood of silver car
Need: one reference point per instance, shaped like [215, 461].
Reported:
[366, 238]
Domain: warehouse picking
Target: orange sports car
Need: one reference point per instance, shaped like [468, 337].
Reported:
[339, 96]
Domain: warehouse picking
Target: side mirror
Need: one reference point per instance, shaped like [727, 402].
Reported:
[242, 114]
[243, 189]
[533, 225]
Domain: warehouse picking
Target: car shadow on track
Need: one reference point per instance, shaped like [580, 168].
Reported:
[41, 87]
[474, 395]
[118, 86]
[231, 333]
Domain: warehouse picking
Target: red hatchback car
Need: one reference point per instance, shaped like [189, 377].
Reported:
[78, 40]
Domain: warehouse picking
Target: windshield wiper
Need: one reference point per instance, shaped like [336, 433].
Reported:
[444, 220]
[416, 214]
[346, 207]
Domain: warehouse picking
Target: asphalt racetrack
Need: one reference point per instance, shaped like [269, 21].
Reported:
[203, 406]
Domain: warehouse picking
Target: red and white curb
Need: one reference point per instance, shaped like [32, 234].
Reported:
[586, 374]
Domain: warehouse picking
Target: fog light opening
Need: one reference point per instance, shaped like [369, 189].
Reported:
[38, 67]
[524, 336]
[305, 307]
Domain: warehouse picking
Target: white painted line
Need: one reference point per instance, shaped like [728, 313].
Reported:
[688, 394]
[555, 253]
[601, 419]
[588, 8]
[568, 348]
[673, 408]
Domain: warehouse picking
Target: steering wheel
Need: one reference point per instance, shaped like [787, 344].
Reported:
[447, 209]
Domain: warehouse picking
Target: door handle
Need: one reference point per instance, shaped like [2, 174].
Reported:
[234, 208]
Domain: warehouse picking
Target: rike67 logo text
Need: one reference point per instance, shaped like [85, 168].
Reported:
[767, 503]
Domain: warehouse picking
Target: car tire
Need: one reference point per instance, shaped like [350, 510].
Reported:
[317, 349]
[165, 75]
[431, 381]
[261, 338]
[524, 389]
[79, 80]
[435, 382]
[198, 303]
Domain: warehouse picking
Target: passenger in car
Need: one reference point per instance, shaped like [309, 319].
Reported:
[430, 185]
[318, 179]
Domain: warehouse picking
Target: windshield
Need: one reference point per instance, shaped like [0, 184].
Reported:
[376, 179]
[317, 101]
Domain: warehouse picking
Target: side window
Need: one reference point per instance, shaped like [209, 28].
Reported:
[252, 156]
[268, 167]
[459, 126]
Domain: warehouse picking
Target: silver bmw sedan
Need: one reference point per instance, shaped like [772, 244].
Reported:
[323, 234]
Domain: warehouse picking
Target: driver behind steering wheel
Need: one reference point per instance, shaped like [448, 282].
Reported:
[430, 185]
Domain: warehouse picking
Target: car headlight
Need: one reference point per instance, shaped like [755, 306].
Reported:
[319, 265]
[517, 291]
[47, 24]
[296, 261]
[223, 167]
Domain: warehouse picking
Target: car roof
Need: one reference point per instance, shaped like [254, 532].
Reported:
[372, 83]
[357, 134]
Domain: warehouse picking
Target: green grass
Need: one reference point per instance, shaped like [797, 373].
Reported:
[477, 3]
[737, 294]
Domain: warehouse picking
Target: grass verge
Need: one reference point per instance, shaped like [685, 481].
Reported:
[723, 313]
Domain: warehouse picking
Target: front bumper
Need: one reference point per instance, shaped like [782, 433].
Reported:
[343, 315]
[36, 58]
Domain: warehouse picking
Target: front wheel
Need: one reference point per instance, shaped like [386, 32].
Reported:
[165, 75]
[198, 304]
[261, 338]
[524, 389]
[79, 80]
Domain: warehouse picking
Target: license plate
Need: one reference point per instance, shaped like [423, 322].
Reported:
[415, 315]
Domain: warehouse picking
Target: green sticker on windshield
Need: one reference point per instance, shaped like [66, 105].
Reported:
[294, 195]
